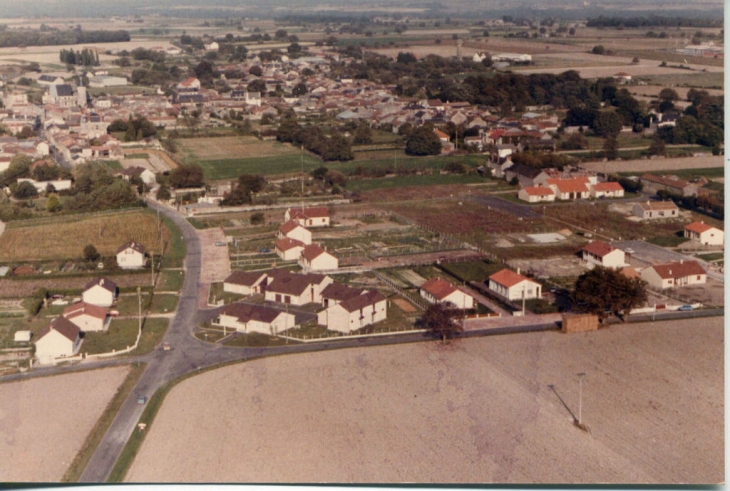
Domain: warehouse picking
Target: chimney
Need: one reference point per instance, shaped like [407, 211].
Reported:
[681, 261]
[518, 270]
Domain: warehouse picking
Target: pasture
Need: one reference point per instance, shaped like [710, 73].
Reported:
[65, 237]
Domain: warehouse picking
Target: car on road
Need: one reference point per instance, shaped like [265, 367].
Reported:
[220, 243]
[166, 347]
[685, 308]
[141, 400]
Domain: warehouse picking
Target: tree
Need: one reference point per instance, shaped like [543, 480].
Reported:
[256, 71]
[439, 322]
[256, 86]
[163, 192]
[423, 141]
[605, 291]
[657, 147]
[610, 148]
[363, 134]
[242, 191]
[90, 253]
[54, 203]
[608, 124]
[598, 50]
[187, 176]
[257, 218]
[24, 190]
[319, 173]
[299, 89]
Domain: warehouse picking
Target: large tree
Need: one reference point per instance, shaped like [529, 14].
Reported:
[438, 320]
[187, 176]
[242, 191]
[423, 141]
[605, 291]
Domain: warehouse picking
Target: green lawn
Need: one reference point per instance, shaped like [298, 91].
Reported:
[121, 333]
[171, 281]
[423, 180]
[714, 256]
[667, 240]
[164, 303]
[232, 168]
[152, 332]
[472, 270]
[175, 250]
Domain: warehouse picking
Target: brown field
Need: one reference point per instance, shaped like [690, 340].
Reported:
[641, 166]
[45, 421]
[653, 90]
[11, 288]
[233, 147]
[49, 54]
[480, 410]
[66, 240]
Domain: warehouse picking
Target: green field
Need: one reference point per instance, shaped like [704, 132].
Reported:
[232, 168]
[690, 79]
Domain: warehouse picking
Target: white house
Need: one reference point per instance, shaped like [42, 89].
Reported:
[293, 230]
[568, 189]
[675, 274]
[317, 216]
[191, 84]
[255, 318]
[148, 177]
[60, 339]
[42, 186]
[293, 288]
[536, 194]
[655, 210]
[704, 234]
[607, 189]
[599, 253]
[514, 286]
[289, 249]
[245, 282]
[131, 255]
[355, 312]
[87, 317]
[100, 292]
[437, 290]
[314, 258]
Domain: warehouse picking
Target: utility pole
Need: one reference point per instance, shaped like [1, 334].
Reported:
[152, 269]
[139, 302]
[581, 376]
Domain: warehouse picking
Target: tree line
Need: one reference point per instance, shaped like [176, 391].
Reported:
[653, 21]
[14, 38]
[84, 57]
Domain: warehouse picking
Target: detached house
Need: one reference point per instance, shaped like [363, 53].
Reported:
[293, 230]
[536, 194]
[317, 216]
[255, 318]
[314, 258]
[131, 255]
[655, 209]
[599, 253]
[60, 339]
[100, 292]
[608, 189]
[360, 309]
[704, 234]
[514, 286]
[245, 282]
[675, 274]
[437, 290]
[295, 289]
[87, 317]
[289, 249]
[570, 189]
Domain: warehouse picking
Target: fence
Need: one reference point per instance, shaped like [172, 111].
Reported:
[416, 301]
[329, 336]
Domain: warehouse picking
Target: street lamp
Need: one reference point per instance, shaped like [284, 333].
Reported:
[581, 376]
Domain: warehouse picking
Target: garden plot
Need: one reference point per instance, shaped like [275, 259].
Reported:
[562, 266]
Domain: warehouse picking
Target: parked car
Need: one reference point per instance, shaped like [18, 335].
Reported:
[265, 250]
[141, 400]
[166, 347]
[685, 308]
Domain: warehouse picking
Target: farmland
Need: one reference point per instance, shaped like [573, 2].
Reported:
[65, 237]
[497, 401]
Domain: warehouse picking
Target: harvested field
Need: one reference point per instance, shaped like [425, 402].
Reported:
[45, 421]
[11, 288]
[481, 410]
[49, 239]
[640, 166]
[233, 147]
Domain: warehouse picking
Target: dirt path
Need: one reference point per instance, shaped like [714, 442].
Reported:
[481, 410]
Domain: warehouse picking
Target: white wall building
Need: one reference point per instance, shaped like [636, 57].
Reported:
[255, 318]
[514, 286]
[675, 274]
[599, 253]
[355, 312]
[314, 258]
[245, 282]
[60, 339]
[100, 292]
[704, 234]
[437, 290]
[87, 317]
[131, 255]
[293, 230]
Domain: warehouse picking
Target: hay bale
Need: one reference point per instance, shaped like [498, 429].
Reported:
[579, 322]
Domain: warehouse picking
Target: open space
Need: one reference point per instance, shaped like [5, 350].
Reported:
[480, 410]
[45, 421]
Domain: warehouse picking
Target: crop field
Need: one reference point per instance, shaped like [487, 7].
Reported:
[233, 147]
[496, 409]
[66, 237]
[638, 167]
[22, 288]
[232, 168]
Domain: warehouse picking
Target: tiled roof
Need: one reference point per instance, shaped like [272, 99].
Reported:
[438, 288]
[288, 227]
[598, 248]
[289, 283]
[63, 326]
[575, 185]
[105, 283]
[287, 244]
[245, 312]
[679, 269]
[608, 186]
[538, 191]
[314, 212]
[244, 278]
[658, 205]
[361, 301]
[136, 246]
[83, 308]
[508, 278]
[312, 251]
[698, 227]
[340, 291]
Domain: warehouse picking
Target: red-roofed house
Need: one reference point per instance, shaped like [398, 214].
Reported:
[87, 317]
[60, 339]
[288, 249]
[318, 216]
[191, 84]
[354, 312]
[255, 318]
[602, 254]
[576, 188]
[672, 275]
[536, 194]
[704, 234]
[293, 230]
[608, 189]
[514, 286]
[437, 290]
[314, 258]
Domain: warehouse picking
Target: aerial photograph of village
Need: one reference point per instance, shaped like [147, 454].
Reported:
[327, 241]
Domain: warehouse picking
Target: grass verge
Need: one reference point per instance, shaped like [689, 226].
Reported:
[102, 425]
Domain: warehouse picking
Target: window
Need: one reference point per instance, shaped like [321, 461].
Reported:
[698, 277]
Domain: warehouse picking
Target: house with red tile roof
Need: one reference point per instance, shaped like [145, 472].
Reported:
[599, 253]
[438, 290]
[289, 249]
[59, 339]
[131, 255]
[674, 274]
[293, 230]
[570, 189]
[317, 216]
[87, 317]
[514, 286]
[245, 282]
[704, 234]
[100, 291]
[295, 288]
[607, 189]
[315, 258]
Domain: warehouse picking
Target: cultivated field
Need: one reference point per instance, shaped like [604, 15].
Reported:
[649, 165]
[492, 410]
[23, 288]
[44, 421]
[65, 237]
[234, 147]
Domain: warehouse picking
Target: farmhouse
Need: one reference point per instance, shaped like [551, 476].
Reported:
[601, 254]
[289, 249]
[608, 189]
[704, 234]
[514, 286]
[295, 289]
[355, 312]
[536, 194]
[293, 230]
[675, 274]
[317, 216]
[87, 317]
[245, 282]
[655, 209]
[59, 339]
[255, 318]
[131, 255]
[100, 292]
[314, 258]
[525, 174]
[437, 290]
